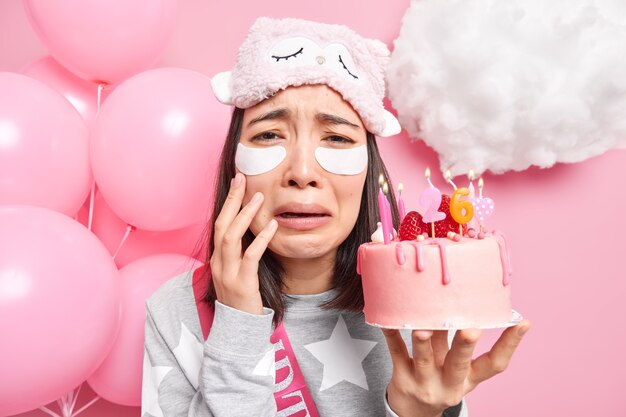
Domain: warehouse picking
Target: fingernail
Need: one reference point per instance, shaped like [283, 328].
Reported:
[256, 198]
[523, 330]
[423, 334]
[272, 225]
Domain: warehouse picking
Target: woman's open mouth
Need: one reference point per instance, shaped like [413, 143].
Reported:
[289, 215]
[299, 216]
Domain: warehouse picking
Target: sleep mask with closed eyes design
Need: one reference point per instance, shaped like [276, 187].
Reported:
[278, 53]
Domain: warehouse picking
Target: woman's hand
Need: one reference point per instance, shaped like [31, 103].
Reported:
[234, 272]
[436, 377]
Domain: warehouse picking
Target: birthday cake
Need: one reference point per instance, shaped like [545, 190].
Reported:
[441, 275]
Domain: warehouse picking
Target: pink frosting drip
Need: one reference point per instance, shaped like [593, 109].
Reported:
[444, 261]
[505, 257]
[400, 257]
[479, 297]
[418, 256]
[445, 276]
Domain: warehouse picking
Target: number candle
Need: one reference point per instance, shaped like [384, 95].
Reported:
[431, 199]
[453, 201]
[382, 209]
[484, 207]
[457, 206]
[401, 208]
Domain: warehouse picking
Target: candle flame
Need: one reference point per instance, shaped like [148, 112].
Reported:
[385, 188]
[381, 179]
[481, 183]
[471, 175]
[448, 177]
[427, 173]
[400, 188]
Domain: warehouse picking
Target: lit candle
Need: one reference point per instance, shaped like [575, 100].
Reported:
[401, 208]
[470, 177]
[484, 207]
[382, 209]
[388, 208]
[383, 215]
[448, 176]
[431, 199]
[427, 174]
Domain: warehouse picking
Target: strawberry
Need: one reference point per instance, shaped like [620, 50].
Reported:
[448, 224]
[411, 226]
[445, 204]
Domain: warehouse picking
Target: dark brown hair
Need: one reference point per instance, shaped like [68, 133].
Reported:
[345, 278]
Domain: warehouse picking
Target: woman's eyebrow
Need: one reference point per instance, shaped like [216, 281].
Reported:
[274, 114]
[334, 120]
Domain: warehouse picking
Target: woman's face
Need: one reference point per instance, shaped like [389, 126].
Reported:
[316, 209]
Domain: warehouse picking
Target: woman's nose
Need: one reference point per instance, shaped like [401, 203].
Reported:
[303, 170]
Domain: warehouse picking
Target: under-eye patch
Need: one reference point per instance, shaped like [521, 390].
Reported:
[255, 161]
[342, 161]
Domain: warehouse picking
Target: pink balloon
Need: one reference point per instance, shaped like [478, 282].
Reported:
[110, 229]
[118, 379]
[44, 147]
[83, 95]
[59, 306]
[103, 40]
[155, 147]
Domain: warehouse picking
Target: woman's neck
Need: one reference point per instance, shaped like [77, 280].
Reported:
[307, 276]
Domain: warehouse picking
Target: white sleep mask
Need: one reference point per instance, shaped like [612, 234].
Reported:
[255, 161]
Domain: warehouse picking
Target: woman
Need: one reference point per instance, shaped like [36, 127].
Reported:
[280, 303]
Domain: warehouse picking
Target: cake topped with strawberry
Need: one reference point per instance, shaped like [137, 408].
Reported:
[438, 275]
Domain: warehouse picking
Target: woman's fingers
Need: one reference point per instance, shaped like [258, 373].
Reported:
[229, 211]
[440, 346]
[423, 357]
[458, 362]
[398, 351]
[250, 263]
[231, 240]
[498, 358]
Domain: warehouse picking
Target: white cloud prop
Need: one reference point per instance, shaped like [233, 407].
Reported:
[502, 85]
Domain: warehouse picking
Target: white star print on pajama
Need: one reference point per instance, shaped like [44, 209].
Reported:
[152, 377]
[189, 354]
[342, 357]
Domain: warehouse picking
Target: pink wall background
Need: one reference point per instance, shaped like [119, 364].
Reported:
[565, 225]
